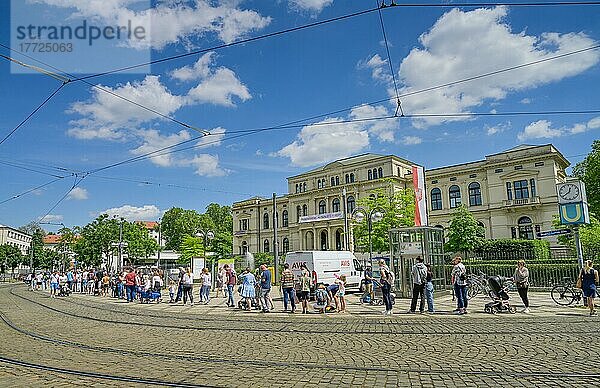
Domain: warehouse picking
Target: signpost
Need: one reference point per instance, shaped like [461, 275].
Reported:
[548, 233]
[573, 209]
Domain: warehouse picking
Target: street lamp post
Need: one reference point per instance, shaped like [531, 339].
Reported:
[120, 245]
[373, 215]
[205, 236]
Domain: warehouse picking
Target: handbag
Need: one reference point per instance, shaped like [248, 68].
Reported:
[578, 284]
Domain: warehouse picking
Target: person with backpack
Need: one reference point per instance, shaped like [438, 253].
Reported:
[459, 281]
[589, 282]
[287, 287]
[419, 277]
[386, 281]
[321, 299]
[265, 289]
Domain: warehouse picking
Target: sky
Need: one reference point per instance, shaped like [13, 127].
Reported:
[329, 85]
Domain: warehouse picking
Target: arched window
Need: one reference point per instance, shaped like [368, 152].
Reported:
[338, 240]
[335, 205]
[370, 175]
[324, 242]
[380, 171]
[266, 246]
[337, 180]
[298, 213]
[351, 177]
[374, 173]
[284, 218]
[454, 193]
[321, 207]
[304, 186]
[347, 178]
[350, 204]
[296, 188]
[525, 228]
[332, 181]
[304, 210]
[436, 199]
[319, 184]
[286, 245]
[266, 221]
[474, 194]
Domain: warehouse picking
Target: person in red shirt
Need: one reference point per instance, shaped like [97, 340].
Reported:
[130, 285]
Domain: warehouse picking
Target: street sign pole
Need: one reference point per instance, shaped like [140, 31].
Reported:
[578, 246]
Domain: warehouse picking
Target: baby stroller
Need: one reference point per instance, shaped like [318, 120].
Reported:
[377, 296]
[499, 294]
[64, 290]
[150, 295]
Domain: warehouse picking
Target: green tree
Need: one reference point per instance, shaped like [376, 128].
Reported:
[589, 235]
[588, 170]
[398, 210]
[191, 247]
[219, 220]
[464, 234]
[11, 256]
[177, 223]
[139, 243]
[96, 239]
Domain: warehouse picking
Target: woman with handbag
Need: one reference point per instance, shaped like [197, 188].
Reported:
[521, 279]
[588, 281]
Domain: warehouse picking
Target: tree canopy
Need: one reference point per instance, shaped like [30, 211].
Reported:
[398, 210]
[588, 170]
[464, 234]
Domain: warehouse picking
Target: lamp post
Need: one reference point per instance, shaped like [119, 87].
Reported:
[206, 236]
[373, 215]
[120, 245]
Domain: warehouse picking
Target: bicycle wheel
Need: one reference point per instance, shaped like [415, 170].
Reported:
[472, 291]
[562, 295]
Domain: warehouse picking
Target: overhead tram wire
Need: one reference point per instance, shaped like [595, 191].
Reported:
[78, 180]
[30, 190]
[389, 57]
[335, 19]
[292, 124]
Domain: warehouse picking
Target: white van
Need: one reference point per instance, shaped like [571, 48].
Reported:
[325, 265]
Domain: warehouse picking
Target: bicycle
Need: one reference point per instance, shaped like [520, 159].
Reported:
[566, 293]
[476, 285]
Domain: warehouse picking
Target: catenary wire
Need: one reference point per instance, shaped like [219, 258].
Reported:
[359, 13]
[30, 190]
[389, 58]
[32, 113]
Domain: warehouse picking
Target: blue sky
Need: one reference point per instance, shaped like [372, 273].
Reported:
[269, 82]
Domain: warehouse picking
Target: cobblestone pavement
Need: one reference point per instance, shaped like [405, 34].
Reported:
[95, 341]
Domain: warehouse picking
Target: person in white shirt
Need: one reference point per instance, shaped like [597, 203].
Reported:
[459, 281]
[188, 286]
[206, 283]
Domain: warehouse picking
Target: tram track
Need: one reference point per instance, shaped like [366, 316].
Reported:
[99, 376]
[251, 363]
[336, 327]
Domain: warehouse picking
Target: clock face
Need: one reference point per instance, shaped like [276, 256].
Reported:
[569, 192]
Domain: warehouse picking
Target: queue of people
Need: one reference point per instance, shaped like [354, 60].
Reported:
[254, 287]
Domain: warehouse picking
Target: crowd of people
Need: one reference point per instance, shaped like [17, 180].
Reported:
[254, 287]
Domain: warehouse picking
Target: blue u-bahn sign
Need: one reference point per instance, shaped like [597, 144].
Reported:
[574, 213]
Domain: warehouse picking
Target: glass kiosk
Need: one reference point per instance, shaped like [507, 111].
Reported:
[408, 243]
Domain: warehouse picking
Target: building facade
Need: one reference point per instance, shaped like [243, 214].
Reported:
[311, 215]
[512, 194]
[15, 237]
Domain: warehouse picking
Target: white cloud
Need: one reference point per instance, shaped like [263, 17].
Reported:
[133, 213]
[154, 141]
[108, 117]
[379, 68]
[328, 140]
[498, 128]
[217, 86]
[51, 218]
[542, 129]
[78, 193]
[466, 44]
[171, 22]
[206, 165]
[311, 5]
[526, 101]
[411, 140]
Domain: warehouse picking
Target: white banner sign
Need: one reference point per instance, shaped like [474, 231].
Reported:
[418, 175]
[322, 217]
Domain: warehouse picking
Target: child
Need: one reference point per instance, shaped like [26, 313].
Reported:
[341, 282]
[321, 298]
[172, 290]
